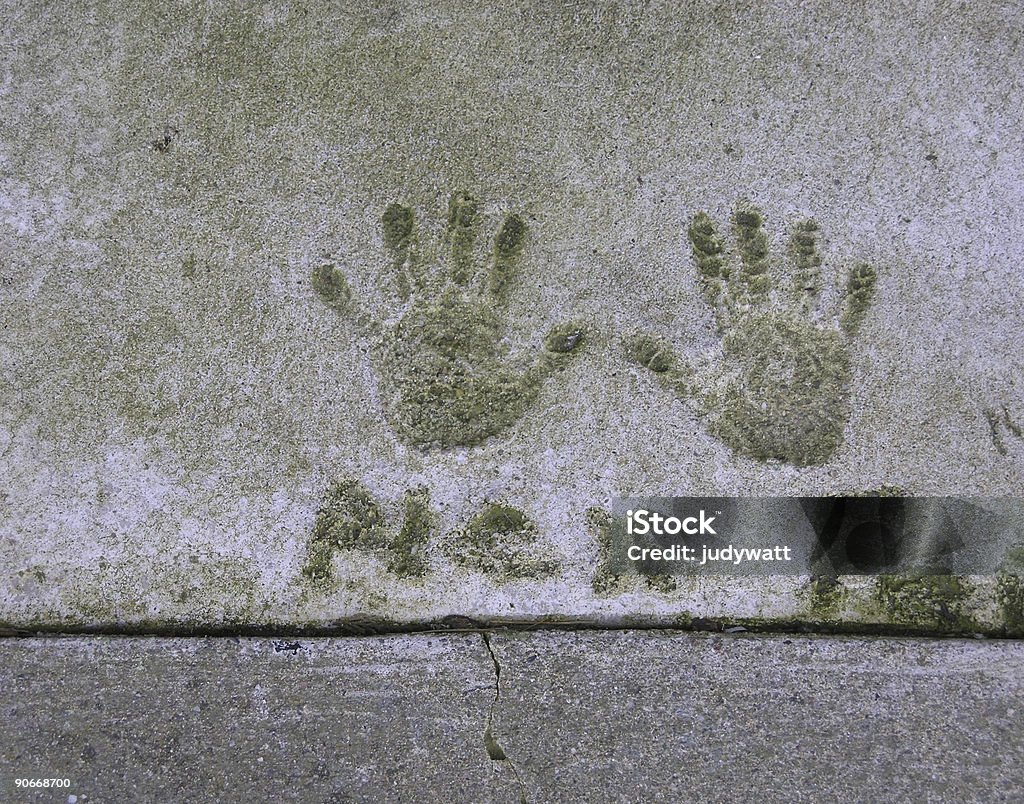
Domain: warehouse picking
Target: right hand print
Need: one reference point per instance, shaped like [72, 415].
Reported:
[781, 390]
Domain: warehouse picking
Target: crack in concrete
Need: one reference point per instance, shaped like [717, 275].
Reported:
[494, 749]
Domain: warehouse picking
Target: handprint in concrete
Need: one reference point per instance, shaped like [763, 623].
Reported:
[781, 388]
[447, 378]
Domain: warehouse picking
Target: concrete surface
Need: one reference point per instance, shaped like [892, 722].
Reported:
[139, 719]
[203, 325]
[621, 716]
[588, 717]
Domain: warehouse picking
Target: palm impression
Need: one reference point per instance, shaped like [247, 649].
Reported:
[447, 379]
[780, 390]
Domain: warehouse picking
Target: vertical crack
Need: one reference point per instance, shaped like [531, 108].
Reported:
[494, 749]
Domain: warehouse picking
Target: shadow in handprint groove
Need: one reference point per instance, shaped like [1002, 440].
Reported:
[781, 391]
[1001, 428]
[447, 378]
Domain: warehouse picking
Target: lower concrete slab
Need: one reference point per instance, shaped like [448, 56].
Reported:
[589, 716]
[158, 720]
[662, 717]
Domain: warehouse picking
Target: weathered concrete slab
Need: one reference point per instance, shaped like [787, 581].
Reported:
[586, 716]
[222, 244]
[655, 716]
[137, 719]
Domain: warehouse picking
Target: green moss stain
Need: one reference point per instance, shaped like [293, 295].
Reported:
[924, 601]
[660, 583]
[707, 247]
[826, 596]
[508, 245]
[651, 353]
[709, 254]
[564, 338]
[463, 224]
[407, 550]
[397, 224]
[605, 582]
[803, 252]
[1013, 562]
[791, 401]
[860, 289]
[501, 542]
[446, 377]
[331, 286]
[1010, 600]
[782, 391]
[350, 519]
[497, 518]
[753, 247]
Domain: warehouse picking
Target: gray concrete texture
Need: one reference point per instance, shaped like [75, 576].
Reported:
[239, 286]
[588, 717]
